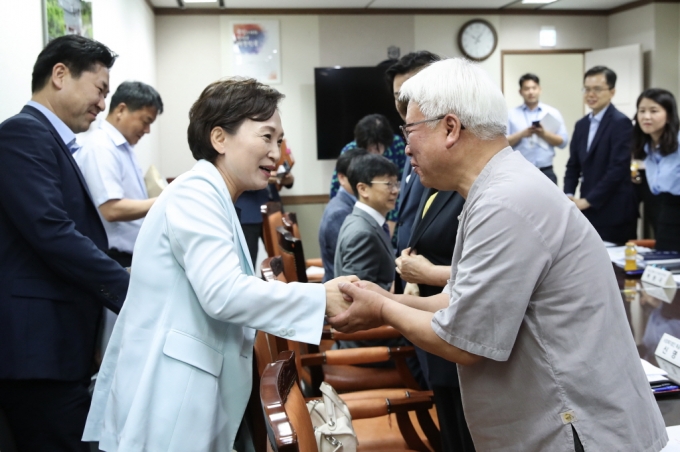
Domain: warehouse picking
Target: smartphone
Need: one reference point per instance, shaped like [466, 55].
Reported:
[536, 124]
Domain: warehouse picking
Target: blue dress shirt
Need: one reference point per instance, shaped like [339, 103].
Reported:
[63, 130]
[535, 149]
[663, 172]
[594, 125]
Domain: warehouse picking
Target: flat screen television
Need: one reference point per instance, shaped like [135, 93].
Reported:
[344, 95]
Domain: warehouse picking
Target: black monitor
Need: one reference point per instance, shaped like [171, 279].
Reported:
[344, 95]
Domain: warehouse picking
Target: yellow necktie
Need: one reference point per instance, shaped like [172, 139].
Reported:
[428, 204]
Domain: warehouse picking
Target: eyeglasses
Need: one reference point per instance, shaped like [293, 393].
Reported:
[390, 185]
[596, 90]
[406, 133]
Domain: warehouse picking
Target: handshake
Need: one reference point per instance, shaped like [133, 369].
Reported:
[354, 305]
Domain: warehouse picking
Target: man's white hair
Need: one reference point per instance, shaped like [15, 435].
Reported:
[463, 88]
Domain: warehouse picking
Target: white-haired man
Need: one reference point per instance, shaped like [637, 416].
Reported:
[532, 313]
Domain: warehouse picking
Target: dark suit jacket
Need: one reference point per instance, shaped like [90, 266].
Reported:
[409, 198]
[54, 274]
[364, 250]
[604, 171]
[434, 237]
[338, 208]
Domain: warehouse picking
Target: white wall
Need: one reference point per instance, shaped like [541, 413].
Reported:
[188, 58]
[21, 40]
[128, 28]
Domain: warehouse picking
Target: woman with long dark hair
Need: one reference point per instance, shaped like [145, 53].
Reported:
[655, 139]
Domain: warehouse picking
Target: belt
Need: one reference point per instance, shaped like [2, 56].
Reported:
[546, 168]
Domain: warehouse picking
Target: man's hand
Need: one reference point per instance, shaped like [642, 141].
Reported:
[581, 203]
[373, 287]
[413, 267]
[364, 313]
[335, 301]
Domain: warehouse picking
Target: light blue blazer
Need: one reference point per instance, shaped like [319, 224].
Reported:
[176, 375]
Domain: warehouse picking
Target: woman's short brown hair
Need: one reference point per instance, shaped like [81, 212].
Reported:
[226, 104]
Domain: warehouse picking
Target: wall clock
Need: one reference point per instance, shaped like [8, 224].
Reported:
[477, 39]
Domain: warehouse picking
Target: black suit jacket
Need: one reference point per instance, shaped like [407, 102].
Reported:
[54, 274]
[604, 170]
[409, 199]
[434, 237]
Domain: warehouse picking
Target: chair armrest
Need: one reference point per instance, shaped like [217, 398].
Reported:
[353, 356]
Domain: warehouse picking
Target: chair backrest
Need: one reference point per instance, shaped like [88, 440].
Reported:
[289, 220]
[292, 256]
[272, 269]
[289, 426]
[272, 213]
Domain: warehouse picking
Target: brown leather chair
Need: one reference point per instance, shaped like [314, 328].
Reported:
[273, 217]
[289, 426]
[339, 368]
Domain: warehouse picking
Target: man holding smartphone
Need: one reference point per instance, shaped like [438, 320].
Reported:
[534, 128]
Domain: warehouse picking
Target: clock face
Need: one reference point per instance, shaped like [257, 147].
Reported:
[477, 39]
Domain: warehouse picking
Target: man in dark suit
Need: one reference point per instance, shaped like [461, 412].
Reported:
[337, 209]
[599, 156]
[425, 241]
[411, 189]
[54, 272]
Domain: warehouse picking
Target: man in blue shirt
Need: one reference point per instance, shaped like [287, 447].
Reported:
[528, 134]
[336, 211]
[112, 171]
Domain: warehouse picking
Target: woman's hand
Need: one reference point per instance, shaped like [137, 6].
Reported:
[335, 301]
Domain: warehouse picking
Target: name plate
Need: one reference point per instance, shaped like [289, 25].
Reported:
[669, 349]
[658, 277]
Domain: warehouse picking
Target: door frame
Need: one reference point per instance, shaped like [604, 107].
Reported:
[536, 52]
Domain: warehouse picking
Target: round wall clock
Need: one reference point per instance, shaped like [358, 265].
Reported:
[477, 39]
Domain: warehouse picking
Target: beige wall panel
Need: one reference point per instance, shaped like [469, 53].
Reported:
[363, 40]
[561, 78]
[188, 59]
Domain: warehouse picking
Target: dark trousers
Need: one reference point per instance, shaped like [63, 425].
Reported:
[46, 415]
[252, 233]
[454, 430]
[548, 171]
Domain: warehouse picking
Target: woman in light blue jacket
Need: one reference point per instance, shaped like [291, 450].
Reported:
[177, 371]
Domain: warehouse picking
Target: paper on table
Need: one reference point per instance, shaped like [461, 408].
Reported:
[550, 123]
[654, 374]
[673, 439]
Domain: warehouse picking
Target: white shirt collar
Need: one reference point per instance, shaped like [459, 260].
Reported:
[598, 117]
[62, 129]
[380, 219]
[115, 135]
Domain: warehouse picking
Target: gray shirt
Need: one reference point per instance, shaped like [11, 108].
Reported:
[533, 291]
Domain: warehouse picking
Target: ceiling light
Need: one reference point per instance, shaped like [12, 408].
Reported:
[538, 2]
[547, 37]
